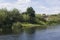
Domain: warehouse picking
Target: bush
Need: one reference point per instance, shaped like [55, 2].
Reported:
[16, 27]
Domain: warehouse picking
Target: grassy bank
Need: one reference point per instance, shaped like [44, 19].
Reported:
[15, 21]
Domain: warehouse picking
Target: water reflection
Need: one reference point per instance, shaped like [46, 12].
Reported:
[30, 33]
[9, 37]
[30, 30]
[26, 36]
[34, 34]
[30, 36]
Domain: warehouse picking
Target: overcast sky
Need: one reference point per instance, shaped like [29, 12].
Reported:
[40, 6]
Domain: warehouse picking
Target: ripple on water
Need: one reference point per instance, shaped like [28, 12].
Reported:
[46, 34]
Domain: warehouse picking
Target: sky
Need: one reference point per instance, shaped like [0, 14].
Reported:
[40, 6]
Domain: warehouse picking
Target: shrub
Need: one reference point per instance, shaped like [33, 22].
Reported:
[16, 27]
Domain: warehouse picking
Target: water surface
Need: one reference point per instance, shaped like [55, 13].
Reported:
[51, 33]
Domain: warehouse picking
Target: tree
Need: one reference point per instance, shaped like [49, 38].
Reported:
[3, 20]
[15, 15]
[25, 17]
[31, 13]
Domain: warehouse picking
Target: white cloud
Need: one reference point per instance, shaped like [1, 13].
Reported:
[19, 4]
[48, 7]
[23, 1]
[39, 7]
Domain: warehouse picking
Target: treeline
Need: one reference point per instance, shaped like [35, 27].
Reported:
[11, 20]
[55, 18]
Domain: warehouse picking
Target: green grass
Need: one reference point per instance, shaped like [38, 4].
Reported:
[34, 26]
[29, 25]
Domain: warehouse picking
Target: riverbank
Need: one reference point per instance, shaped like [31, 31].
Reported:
[14, 21]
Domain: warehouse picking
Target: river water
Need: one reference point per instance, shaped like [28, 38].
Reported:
[51, 33]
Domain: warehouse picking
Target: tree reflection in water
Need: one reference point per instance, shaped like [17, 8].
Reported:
[30, 33]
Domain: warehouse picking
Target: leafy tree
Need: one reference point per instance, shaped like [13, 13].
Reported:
[31, 13]
[25, 17]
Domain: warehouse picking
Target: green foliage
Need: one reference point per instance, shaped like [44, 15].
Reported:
[16, 27]
[7, 18]
[25, 17]
[13, 20]
[31, 13]
[15, 15]
[2, 15]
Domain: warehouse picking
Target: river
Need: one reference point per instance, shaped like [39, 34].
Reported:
[51, 33]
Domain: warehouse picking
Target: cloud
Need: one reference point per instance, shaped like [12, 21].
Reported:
[23, 1]
[53, 2]
[47, 6]
[19, 4]
[40, 6]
